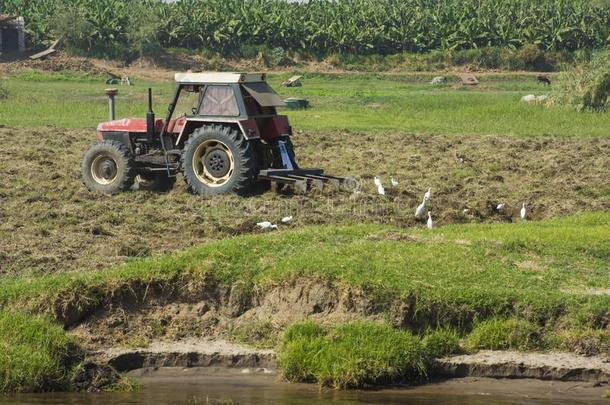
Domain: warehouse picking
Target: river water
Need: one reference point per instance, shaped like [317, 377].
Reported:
[193, 388]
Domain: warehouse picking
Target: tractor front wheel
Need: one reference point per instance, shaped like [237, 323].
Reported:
[217, 160]
[108, 168]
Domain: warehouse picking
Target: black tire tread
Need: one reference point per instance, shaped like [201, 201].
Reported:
[248, 172]
[129, 175]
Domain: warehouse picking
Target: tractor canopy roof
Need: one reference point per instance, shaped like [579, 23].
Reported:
[253, 83]
[219, 78]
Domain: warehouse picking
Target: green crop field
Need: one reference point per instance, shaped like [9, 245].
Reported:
[354, 102]
[321, 27]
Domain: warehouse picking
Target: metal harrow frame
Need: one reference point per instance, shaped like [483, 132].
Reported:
[303, 180]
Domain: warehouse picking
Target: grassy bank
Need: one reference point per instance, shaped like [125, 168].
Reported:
[357, 102]
[528, 286]
[533, 285]
[538, 270]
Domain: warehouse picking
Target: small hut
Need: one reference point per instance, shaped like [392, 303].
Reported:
[12, 34]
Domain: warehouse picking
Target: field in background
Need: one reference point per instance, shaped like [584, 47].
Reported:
[369, 103]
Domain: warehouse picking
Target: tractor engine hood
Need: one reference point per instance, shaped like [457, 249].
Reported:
[128, 125]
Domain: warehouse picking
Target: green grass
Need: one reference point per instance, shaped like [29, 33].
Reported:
[504, 334]
[34, 353]
[355, 101]
[441, 342]
[352, 355]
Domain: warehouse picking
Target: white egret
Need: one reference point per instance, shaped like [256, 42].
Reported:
[419, 212]
[430, 224]
[394, 182]
[266, 225]
[523, 212]
[428, 194]
[287, 220]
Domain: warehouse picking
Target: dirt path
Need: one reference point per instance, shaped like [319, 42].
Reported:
[50, 222]
[191, 353]
[511, 364]
[163, 67]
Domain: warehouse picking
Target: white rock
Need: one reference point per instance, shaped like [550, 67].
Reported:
[438, 80]
[530, 98]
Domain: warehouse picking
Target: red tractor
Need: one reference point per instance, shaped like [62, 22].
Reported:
[232, 139]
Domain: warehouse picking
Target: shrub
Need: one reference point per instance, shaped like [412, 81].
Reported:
[531, 57]
[276, 57]
[34, 353]
[503, 334]
[588, 341]
[586, 86]
[441, 343]
[352, 355]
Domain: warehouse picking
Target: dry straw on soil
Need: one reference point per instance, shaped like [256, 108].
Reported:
[50, 222]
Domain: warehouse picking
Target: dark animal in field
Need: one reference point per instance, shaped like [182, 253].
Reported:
[544, 79]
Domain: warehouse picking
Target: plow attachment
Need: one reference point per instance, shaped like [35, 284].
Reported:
[303, 180]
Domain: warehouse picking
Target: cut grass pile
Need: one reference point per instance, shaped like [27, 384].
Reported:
[352, 355]
[35, 353]
[355, 102]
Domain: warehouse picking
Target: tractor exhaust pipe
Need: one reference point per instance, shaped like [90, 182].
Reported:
[111, 111]
[150, 118]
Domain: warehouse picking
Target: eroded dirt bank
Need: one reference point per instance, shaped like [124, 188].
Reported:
[173, 311]
[50, 222]
[197, 325]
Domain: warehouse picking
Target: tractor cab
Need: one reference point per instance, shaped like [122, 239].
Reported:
[229, 138]
[245, 100]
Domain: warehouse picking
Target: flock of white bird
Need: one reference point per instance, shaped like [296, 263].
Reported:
[419, 211]
[269, 225]
[421, 208]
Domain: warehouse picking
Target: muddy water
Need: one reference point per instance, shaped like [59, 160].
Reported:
[188, 387]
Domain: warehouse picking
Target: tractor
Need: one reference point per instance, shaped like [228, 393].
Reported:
[231, 139]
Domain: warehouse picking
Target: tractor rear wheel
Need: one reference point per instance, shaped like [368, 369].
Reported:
[108, 168]
[156, 181]
[217, 159]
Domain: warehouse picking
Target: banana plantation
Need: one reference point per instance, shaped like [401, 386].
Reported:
[321, 27]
